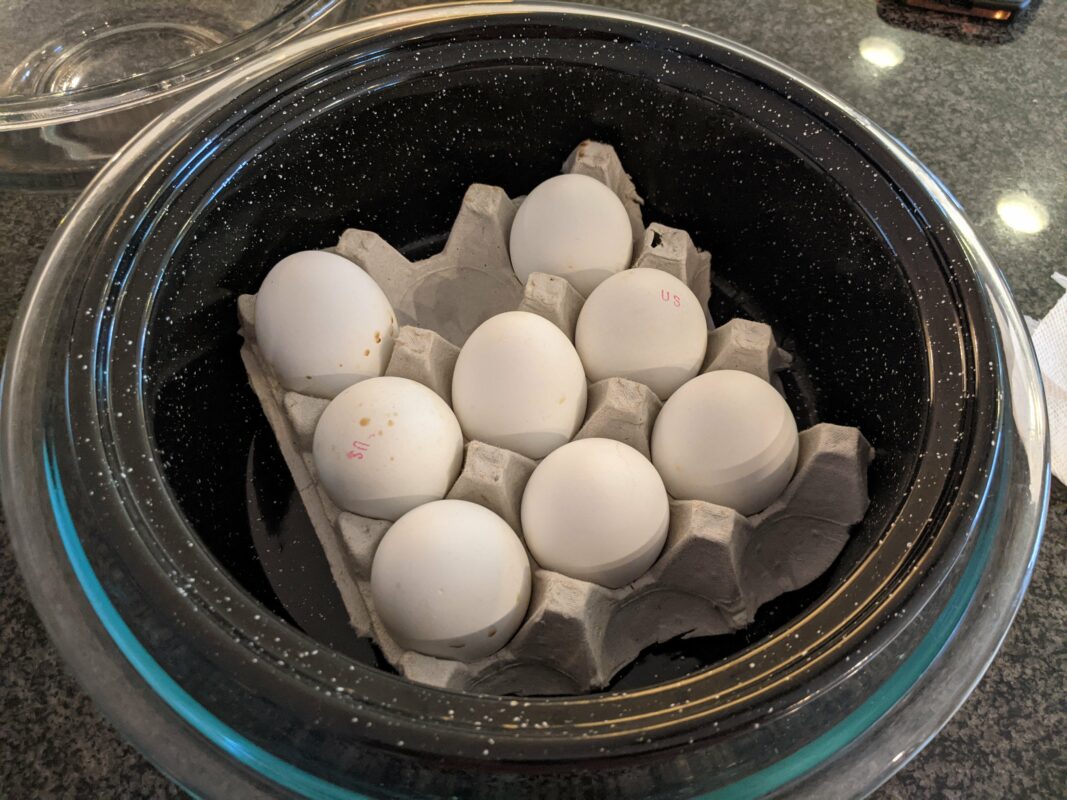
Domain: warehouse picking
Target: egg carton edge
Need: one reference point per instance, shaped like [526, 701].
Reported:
[349, 541]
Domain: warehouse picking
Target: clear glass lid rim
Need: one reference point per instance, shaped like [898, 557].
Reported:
[30, 112]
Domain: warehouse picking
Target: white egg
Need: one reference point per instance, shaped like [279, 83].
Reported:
[596, 509]
[572, 226]
[519, 385]
[645, 325]
[726, 437]
[385, 446]
[451, 579]
[323, 324]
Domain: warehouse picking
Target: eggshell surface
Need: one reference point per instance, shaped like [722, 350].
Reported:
[572, 226]
[596, 510]
[728, 438]
[519, 384]
[451, 579]
[644, 325]
[386, 445]
[323, 324]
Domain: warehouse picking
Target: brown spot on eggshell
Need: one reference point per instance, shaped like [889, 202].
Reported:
[377, 337]
[389, 423]
[365, 421]
[562, 399]
[366, 352]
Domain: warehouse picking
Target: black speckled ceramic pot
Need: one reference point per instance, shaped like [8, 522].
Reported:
[172, 560]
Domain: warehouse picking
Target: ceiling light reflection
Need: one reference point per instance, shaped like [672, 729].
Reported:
[1022, 213]
[883, 53]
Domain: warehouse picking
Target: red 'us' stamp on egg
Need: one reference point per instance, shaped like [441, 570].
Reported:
[667, 297]
[357, 451]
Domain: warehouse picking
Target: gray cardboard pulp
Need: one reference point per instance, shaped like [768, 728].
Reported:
[717, 567]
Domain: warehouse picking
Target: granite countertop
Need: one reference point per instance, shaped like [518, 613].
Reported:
[987, 114]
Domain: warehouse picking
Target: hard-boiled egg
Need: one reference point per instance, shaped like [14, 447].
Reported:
[726, 437]
[323, 324]
[385, 446]
[596, 509]
[645, 325]
[572, 226]
[519, 385]
[451, 579]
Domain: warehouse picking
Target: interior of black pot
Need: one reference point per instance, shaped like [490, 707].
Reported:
[790, 244]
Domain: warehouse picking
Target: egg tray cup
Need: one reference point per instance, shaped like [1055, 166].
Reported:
[717, 566]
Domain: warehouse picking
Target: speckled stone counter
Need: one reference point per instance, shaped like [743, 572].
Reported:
[990, 117]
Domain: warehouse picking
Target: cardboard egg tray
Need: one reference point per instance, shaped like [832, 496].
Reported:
[717, 567]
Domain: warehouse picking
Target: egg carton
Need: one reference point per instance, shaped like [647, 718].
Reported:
[717, 567]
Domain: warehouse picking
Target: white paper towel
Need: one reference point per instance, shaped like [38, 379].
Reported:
[1050, 342]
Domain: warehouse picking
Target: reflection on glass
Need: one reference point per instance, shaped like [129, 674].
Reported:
[883, 53]
[1022, 213]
